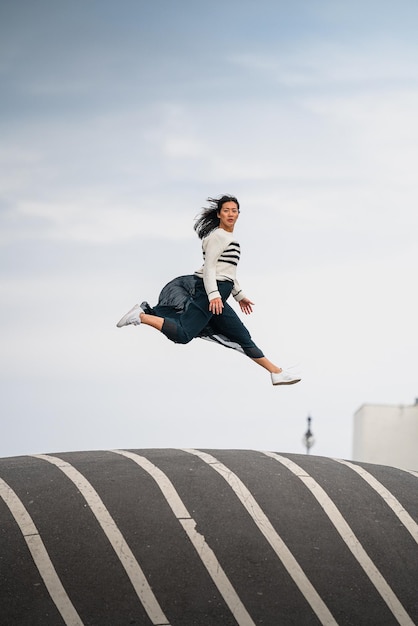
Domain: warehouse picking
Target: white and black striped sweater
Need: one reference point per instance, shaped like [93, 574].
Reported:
[221, 253]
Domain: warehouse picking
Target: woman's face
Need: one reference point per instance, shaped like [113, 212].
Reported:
[228, 215]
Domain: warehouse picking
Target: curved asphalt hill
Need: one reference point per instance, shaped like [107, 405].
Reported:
[206, 538]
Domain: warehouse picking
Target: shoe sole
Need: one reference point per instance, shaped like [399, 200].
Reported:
[291, 382]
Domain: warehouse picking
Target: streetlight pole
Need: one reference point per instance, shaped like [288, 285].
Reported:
[308, 438]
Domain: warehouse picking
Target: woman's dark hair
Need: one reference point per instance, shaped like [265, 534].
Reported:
[208, 220]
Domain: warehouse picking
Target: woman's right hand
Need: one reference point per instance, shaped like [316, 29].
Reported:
[216, 305]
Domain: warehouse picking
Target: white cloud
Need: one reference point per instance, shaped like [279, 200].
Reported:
[98, 221]
[373, 62]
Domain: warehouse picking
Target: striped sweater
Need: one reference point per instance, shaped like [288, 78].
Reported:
[221, 253]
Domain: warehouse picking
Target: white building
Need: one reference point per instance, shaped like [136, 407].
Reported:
[387, 435]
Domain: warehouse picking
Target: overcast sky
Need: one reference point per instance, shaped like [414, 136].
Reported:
[118, 120]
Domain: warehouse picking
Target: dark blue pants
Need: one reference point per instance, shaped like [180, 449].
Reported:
[184, 326]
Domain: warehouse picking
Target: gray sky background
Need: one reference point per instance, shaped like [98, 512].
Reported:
[118, 119]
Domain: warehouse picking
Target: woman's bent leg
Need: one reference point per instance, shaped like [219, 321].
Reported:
[152, 320]
[182, 327]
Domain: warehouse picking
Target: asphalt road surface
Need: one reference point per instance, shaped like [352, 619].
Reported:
[206, 538]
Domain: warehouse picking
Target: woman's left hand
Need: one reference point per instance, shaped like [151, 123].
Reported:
[246, 306]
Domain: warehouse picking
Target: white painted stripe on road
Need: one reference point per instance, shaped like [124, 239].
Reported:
[266, 528]
[387, 496]
[349, 538]
[115, 537]
[198, 541]
[40, 556]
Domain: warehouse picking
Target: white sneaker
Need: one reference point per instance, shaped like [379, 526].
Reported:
[284, 378]
[131, 317]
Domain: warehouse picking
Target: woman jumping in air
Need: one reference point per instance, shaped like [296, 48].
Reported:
[196, 305]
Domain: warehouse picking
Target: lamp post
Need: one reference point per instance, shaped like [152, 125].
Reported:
[308, 438]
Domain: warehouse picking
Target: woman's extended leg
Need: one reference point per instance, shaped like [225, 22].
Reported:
[230, 325]
[268, 365]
